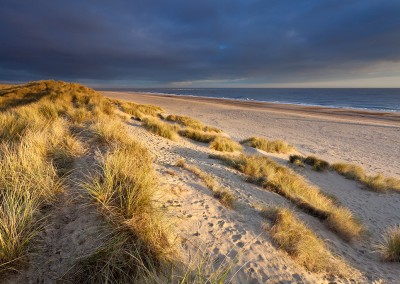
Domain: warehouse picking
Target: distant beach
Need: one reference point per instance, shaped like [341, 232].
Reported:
[385, 100]
[369, 138]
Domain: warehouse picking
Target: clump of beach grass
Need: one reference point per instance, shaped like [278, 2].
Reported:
[27, 182]
[377, 182]
[139, 111]
[268, 174]
[297, 160]
[158, 127]
[275, 146]
[390, 246]
[109, 132]
[299, 241]
[192, 123]
[222, 194]
[198, 135]
[124, 189]
[317, 164]
[225, 144]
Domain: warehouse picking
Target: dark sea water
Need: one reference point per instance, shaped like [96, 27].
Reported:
[370, 99]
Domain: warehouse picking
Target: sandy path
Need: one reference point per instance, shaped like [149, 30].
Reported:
[370, 141]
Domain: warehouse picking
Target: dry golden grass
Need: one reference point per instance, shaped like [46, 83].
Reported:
[299, 241]
[36, 141]
[186, 121]
[27, 181]
[297, 160]
[267, 173]
[108, 131]
[222, 194]
[225, 144]
[390, 246]
[158, 127]
[317, 164]
[192, 123]
[125, 189]
[198, 135]
[138, 111]
[276, 146]
[376, 182]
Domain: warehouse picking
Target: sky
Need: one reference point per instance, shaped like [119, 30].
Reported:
[205, 43]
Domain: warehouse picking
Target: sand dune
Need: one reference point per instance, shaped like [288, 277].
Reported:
[127, 203]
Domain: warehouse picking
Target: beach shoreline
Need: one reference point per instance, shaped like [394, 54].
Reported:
[367, 138]
[388, 116]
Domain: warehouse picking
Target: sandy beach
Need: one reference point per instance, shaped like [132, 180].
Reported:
[368, 138]
[233, 215]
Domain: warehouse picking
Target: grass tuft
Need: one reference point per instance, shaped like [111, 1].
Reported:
[198, 135]
[158, 127]
[300, 242]
[109, 132]
[192, 123]
[316, 163]
[297, 160]
[125, 191]
[374, 182]
[276, 146]
[268, 174]
[390, 247]
[139, 111]
[225, 144]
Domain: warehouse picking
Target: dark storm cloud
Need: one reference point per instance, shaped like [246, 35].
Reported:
[166, 41]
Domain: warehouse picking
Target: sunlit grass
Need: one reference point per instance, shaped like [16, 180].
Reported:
[377, 182]
[198, 135]
[158, 127]
[224, 144]
[299, 241]
[267, 173]
[390, 246]
[192, 123]
[275, 146]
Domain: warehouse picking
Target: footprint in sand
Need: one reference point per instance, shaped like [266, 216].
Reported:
[235, 238]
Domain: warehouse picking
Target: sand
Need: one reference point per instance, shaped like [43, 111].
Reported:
[240, 235]
[370, 139]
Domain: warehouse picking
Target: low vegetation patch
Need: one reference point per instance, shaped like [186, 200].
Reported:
[390, 247]
[293, 236]
[192, 123]
[275, 146]
[268, 174]
[139, 111]
[297, 160]
[222, 194]
[374, 182]
[158, 127]
[198, 135]
[225, 144]
[27, 182]
[317, 164]
[109, 132]
[124, 189]
[36, 146]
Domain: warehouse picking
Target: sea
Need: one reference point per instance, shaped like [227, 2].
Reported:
[366, 99]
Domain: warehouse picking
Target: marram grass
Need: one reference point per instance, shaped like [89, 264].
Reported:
[268, 174]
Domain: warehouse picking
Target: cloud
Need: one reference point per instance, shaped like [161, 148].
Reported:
[160, 42]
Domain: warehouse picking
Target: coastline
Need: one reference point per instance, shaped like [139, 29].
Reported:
[367, 138]
[340, 112]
